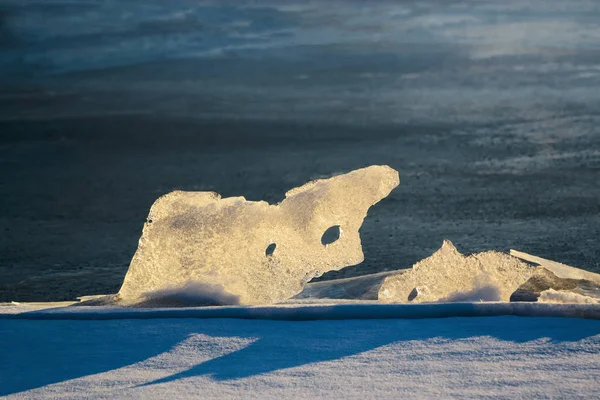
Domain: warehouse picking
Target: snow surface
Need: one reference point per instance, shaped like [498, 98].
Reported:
[504, 357]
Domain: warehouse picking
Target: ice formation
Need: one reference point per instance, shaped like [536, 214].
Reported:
[544, 280]
[364, 287]
[448, 275]
[558, 269]
[254, 252]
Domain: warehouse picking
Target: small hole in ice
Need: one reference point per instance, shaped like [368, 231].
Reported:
[331, 235]
[413, 294]
[270, 249]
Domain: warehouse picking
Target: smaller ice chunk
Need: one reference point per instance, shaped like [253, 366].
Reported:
[543, 280]
[450, 276]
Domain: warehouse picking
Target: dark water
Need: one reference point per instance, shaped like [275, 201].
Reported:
[490, 112]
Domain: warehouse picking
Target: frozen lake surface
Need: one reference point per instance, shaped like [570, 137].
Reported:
[489, 111]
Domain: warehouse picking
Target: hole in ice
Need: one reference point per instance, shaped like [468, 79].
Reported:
[413, 294]
[270, 249]
[331, 235]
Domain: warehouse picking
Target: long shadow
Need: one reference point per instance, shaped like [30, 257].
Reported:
[293, 344]
[38, 353]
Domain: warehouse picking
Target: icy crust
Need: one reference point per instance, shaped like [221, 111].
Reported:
[245, 252]
[449, 276]
[310, 312]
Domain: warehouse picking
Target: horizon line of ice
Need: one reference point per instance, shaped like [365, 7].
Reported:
[321, 312]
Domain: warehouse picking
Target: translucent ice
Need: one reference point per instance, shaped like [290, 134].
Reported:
[566, 289]
[558, 269]
[450, 276]
[254, 252]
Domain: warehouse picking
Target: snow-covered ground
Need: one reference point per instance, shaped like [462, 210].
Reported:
[162, 358]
